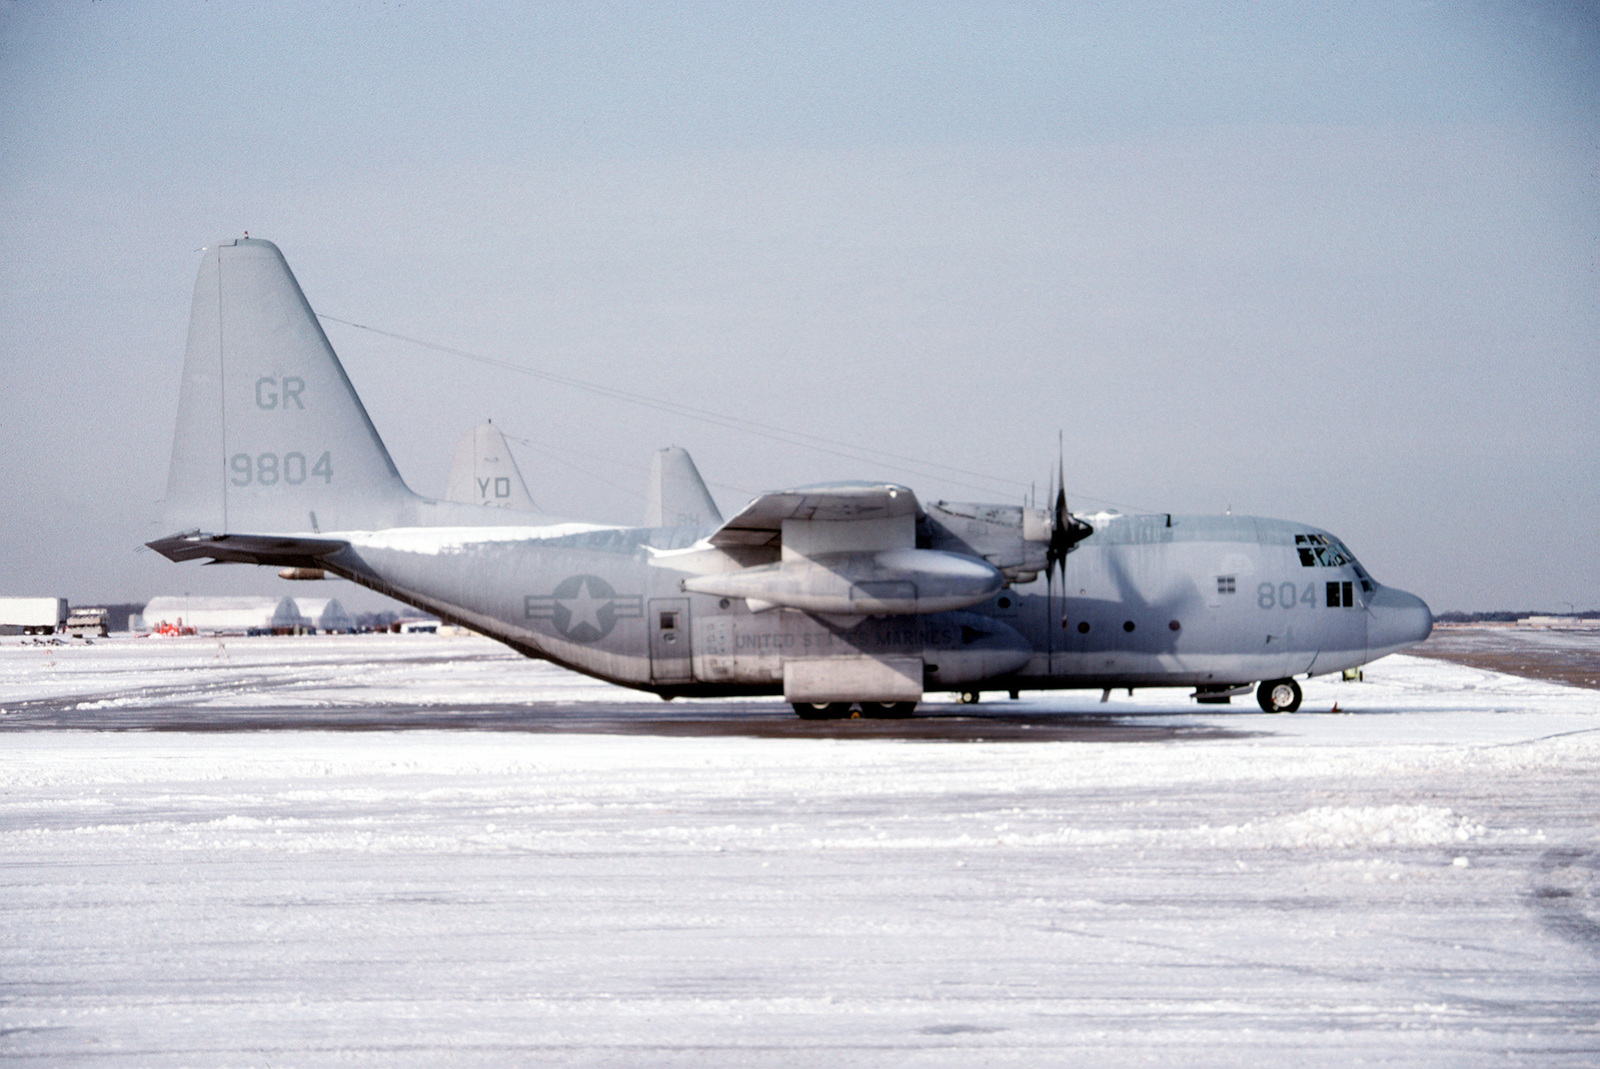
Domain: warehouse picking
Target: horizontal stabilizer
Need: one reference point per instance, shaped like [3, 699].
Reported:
[279, 551]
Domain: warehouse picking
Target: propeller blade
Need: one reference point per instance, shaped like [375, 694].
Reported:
[1065, 531]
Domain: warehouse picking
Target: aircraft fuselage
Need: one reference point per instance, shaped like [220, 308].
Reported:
[1143, 601]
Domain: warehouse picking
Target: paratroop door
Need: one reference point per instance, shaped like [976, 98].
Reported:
[669, 640]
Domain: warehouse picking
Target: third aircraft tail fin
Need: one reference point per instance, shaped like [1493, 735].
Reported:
[678, 496]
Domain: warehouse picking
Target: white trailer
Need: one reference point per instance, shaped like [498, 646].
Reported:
[32, 616]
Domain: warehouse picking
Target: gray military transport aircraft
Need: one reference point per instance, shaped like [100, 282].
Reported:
[838, 596]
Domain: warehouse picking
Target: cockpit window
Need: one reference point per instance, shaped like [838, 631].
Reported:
[1320, 551]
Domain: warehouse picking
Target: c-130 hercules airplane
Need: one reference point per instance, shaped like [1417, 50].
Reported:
[838, 595]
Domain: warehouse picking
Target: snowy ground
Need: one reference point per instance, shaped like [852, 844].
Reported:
[1138, 883]
[1568, 654]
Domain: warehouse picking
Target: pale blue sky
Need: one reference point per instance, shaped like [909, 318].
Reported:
[1334, 266]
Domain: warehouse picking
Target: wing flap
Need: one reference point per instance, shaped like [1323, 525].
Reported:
[869, 505]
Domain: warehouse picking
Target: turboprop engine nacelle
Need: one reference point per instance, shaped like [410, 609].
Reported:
[1012, 538]
[890, 582]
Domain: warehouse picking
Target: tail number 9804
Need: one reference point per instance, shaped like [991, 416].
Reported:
[270, 469]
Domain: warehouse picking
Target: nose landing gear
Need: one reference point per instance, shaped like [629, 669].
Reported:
[1279, 695]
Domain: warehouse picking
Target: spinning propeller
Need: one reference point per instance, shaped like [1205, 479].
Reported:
[1066, 531]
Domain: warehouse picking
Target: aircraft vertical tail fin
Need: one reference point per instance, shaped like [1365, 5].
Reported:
[271, 436]
[678, 496]
[485, 473]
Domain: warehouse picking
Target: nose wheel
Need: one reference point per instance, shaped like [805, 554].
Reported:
[1279, 695]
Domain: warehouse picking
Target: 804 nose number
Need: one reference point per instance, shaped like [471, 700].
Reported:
[270, 469]
[1285, 595]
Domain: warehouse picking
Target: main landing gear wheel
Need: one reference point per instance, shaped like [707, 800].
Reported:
[841, 710]
[1279, 695]
[822, 710]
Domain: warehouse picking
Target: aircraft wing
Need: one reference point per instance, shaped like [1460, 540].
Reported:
[846, 549]
[760, 523]
[280, 551]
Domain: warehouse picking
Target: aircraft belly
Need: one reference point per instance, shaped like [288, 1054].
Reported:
[1153, 670]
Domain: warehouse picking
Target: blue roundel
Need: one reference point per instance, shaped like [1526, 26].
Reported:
[584, 608]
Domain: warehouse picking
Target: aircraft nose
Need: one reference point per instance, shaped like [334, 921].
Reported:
[1396, 620]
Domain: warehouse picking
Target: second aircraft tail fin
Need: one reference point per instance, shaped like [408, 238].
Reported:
[485, 473]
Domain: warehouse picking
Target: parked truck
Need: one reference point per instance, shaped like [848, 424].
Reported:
[32, 616]
[89, 623]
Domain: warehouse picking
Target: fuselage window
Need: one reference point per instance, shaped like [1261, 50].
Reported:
[1341, 594]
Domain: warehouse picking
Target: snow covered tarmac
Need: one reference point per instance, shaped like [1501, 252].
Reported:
[1416, 883]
